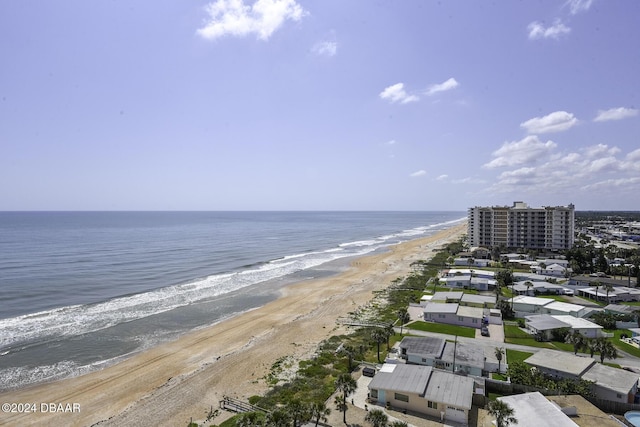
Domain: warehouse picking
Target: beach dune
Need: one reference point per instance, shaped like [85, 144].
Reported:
[175, 382]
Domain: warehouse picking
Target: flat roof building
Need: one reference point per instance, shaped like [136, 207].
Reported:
[520, 226]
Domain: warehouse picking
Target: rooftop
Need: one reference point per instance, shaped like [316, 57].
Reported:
[403, 378]
[544, 322]
[466, 354]
[533, 410]
[467, 311]
[435, 307]
[423, 345]
[523, 299]
[443, 296]
[450, 389]
[615, 379]
[561, 361]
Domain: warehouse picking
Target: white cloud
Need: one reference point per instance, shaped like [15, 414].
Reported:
[442, 177]
[392, 142]
[416, 174]
[263, 18]
[615, 114]
[537, 30]
[557, 121]
[449, 84]
[595, 169]
[396, 93]
[577, 6]
[526, 151]
[325, 48]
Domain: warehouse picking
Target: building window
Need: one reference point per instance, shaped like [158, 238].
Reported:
[401, 397]
[432, 405]
[424, 360]
[460, 319]
[441, 316]
[474, 320]
[373, 393]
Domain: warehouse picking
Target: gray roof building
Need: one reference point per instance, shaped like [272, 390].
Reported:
[560, 363]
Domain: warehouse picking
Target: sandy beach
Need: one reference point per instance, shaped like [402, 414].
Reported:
[178, 381]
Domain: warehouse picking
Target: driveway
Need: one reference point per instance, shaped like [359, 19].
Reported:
[496, 334]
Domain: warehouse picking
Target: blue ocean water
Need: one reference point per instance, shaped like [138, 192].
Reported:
[82, 290]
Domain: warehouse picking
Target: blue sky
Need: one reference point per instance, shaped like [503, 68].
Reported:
[319, 105]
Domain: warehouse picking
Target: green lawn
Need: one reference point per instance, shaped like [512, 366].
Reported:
[514, 335]
[517, 356]
[622, 345]
[440, 328]
[633, 303]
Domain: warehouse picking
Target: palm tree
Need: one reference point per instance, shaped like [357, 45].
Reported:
[378, 335]
[319, 411]
[499, 354]
[298, 411]
[347, 385]
[576, 339]
[503, 413]
[377, 418]
[592, 346]
[528, 284]
[388, 333]
[278, 418]
[608, 288]
[403, 317]
[341, 405]
[607, 350]
[398, 424]
[597, 286]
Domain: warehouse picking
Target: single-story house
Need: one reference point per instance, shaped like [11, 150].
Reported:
[447, 297]
[620, 309]
[476, 262]
[562, 308]
[453, 314]
[437, 352]
[611, 383]
[545, 324]
[553, 270]
[560, 364]
[483, 301]
[537, 287]
[526, 304]
[424, 390]
[534, 410]
[618, 293]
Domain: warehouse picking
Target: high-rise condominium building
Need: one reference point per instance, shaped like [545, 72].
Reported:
[520, 226]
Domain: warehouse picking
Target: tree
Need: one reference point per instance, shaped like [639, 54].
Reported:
[250, 419]
[398, 424]
[607, 350]
[607, 288]
[503, 413]
[319, 411]
[298, 411]
[528, 284]
[346, 385]
[278, 418]
[499, 354]
[350, 352]
[576, 339]
[379, 336]
[592, 346]
[377, 418]
[403, 317]
[388, 333]
[597, 286]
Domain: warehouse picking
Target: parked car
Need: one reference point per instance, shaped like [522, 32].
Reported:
[368, 372]
[484, 331]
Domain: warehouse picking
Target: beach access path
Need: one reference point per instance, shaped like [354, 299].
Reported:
[175, 382]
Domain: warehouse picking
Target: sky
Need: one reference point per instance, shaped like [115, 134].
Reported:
[319, 105]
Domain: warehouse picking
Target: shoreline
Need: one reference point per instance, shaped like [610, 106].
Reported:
[173, 382]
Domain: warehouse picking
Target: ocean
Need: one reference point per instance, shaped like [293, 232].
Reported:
[82, 290]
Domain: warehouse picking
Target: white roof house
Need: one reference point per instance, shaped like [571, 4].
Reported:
[561, 308]
[533, 410]
[544, 324]
[447, 296]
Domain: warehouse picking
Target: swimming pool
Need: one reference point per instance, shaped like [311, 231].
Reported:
[633, 417]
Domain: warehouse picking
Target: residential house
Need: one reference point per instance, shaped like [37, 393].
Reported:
[446, 355]
[425, 390]
[482, 301]
[447, 297]
[534, 410]
[553, 270]
[453, 314]
[543, 325]
[610, 383]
